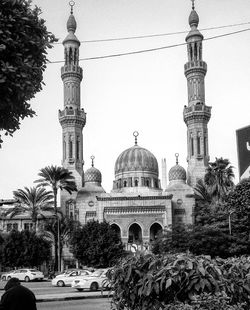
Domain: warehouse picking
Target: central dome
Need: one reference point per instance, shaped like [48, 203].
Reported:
[136, 158]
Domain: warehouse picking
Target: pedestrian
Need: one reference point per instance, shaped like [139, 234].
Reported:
[17, 297]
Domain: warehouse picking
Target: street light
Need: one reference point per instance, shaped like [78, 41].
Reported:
[229, 222]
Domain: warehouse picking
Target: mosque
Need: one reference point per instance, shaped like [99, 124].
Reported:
[137, 207]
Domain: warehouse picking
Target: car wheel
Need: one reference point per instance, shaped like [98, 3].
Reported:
[8, 278]
[4, 278]
[80, 289]
[60, 283]
[27, 279]
[94, 286]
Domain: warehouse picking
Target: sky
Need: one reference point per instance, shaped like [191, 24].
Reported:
[143, 92]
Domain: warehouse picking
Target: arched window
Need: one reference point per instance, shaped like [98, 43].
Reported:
[192, 146]
[70, 148]
[64, 149]
[205, 146]
[117, 229]
[147, 183]
[78, 148]
[198, 144]
[136, 182]
[135, 234]
[155, 231]
[125, 184]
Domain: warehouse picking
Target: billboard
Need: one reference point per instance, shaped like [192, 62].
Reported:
[243, 148]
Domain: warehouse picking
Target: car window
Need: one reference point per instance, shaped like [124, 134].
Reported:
[33, 270]
[23, 271]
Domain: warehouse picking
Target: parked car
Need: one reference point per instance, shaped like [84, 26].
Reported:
[4, 275]
[92, 282]
[66, 278]
[25, 274]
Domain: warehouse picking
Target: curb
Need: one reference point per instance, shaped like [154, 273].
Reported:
[64, 298]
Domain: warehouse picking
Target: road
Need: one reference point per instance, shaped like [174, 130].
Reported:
[86, 304]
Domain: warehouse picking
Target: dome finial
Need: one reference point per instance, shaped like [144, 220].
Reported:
[192, 4]
[92, 159]
[177, 156]
[71, 3]
[135, 134]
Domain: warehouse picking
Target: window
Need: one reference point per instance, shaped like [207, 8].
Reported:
[205, 146]
[78, 148]
[28, 226]
[70, 149]
[136, 182]
[192, 146]
[125, 184]
[198, 144]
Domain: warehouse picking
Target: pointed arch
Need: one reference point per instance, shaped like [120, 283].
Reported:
[135, 234]
[155, 230]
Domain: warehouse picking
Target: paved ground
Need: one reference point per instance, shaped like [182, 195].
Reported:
[58, 294]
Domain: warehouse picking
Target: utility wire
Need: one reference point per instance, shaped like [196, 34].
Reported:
[154, 49]
[158, 35]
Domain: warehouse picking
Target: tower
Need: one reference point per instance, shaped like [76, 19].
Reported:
[72, 118]
[196, 114]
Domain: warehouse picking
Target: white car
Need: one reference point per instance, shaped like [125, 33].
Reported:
[25, 274]
[4, 275]
[67, 278]
[92, 282]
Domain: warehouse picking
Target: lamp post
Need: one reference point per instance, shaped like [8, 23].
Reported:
[229, 222]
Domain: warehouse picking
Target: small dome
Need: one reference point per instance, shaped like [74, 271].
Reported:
[193, 18]
[93, 175]
[71, 23]
[136, 158]
[177, 173]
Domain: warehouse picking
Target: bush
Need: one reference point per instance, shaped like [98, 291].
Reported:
[180, 281]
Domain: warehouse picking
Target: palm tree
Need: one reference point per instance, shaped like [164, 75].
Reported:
[34, 201]
[219, 178]
[57, 178]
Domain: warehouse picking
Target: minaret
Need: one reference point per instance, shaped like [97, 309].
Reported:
[72, 118]
[196, 114]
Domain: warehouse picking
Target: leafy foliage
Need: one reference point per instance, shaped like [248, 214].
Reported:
[25, 248]
[97, 245]
[180, 282]
[23, 42]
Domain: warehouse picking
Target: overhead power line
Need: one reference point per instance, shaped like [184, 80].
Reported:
[159, 34]
[152, 49]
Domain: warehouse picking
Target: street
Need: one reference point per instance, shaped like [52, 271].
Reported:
[80, 300]
[86, 304]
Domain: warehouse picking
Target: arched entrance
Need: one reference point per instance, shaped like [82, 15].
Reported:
[117, 229]
[155, 230]
[135, 234]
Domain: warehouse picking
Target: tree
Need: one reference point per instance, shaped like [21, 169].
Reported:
[219, 178]
[97, 245]
[174, 241]
[25, 248]
[23, 42]
[34, 201]
[57, 178]
[67, 228]
[237, 203]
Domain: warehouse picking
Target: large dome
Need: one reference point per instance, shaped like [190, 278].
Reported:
[136, 158]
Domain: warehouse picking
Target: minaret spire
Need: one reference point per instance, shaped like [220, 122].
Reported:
[196, 114]
[72, 118]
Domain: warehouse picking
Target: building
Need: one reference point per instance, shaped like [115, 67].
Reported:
[137, 206]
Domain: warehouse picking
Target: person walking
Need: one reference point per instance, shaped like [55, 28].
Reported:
[17, 297]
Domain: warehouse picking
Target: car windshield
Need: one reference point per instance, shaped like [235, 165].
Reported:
[97, 273]
[33, 270]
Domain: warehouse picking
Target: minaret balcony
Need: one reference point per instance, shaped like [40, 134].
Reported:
[197, 113]
[71, 117]
[71, 112]
[197, 64]
[69, 70]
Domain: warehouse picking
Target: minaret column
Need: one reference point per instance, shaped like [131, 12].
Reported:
[72, 118]
[196, 115]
